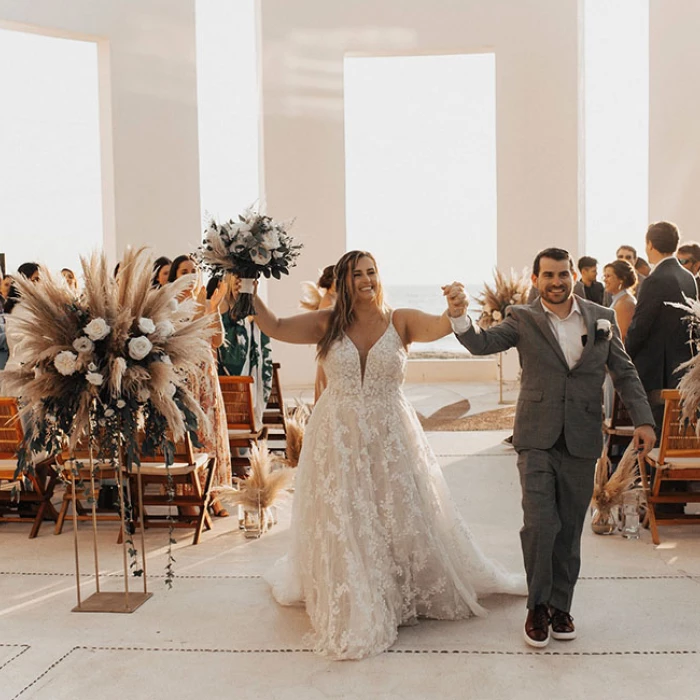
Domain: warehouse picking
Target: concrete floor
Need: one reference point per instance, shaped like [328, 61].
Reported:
[219, 634]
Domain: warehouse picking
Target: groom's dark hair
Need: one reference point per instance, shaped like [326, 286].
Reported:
[553, 254]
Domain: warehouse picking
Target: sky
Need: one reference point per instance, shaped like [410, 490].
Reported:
[420, 144]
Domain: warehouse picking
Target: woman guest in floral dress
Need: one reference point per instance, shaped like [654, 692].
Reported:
[214, 435]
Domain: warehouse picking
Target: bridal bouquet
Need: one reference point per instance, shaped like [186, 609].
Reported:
[255, 244]
[506, 292]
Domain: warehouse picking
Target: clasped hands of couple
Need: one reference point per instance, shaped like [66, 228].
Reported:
[644, 437]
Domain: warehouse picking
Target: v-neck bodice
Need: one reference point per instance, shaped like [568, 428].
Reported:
[384, 368]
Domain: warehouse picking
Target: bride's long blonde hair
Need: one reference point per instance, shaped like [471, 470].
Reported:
[342, 314]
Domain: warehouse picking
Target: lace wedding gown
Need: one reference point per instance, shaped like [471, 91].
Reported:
[376, 538]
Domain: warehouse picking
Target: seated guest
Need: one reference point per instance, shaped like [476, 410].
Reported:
[689, 257]
[5, 284]
[71, 281]
[627, 252]
[245, 350]
[588, 286]
[161, 271]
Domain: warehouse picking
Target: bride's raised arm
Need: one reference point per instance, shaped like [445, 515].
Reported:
[304, 329]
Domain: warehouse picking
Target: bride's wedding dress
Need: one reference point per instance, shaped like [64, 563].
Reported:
[376, 538]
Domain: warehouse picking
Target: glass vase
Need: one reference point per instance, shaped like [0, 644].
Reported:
[630, 514]
[604, 521]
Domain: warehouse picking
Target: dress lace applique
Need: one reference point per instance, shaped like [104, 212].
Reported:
[376, 538]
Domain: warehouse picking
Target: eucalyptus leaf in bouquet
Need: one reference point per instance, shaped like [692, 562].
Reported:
[254, 245]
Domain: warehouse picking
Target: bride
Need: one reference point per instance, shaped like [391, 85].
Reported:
[376, 539]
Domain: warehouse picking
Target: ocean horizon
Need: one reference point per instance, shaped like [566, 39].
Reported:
[429, 298]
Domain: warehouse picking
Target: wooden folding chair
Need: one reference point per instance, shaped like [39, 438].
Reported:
[243, 432]
[185, 485]
[275, 415]
[74, 467]
[676, 460]
[28, 497]
[618, 430]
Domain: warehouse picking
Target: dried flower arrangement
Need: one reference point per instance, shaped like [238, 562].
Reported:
[295, 420]
[507, 291]
[608, 490]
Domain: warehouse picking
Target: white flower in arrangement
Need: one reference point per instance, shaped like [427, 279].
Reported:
[139, 347]
[121, 403]
[83, 344]
[165, 328]
[65, 362]
[170, 390]
[146, 325]
[270, 240]
[166, 359]
[95, 378]
[173, 305]
[92, 367]
[260, 256]
[97, 329]
[143, 395]
[602, 324]
[497, 315]
[109, 412]
[120, 364]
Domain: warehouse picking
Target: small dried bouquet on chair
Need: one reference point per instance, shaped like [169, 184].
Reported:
[609, 488]
[506, 291]
[253, 245]
[258, 493]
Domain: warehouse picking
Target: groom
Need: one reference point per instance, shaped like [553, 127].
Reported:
[565, 344]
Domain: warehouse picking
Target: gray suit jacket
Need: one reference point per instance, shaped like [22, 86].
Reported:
[554, 398]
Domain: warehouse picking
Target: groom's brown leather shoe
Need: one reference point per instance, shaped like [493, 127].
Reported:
[537, 626]
[562, 624]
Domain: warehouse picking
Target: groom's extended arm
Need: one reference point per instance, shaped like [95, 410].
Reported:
[486, 342]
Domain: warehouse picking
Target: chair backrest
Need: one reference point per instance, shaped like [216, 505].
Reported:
[619, 416]
[11, 433]
[184, 451]
[238, 400]
[678, 436]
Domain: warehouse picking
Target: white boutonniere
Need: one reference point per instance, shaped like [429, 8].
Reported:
[603, 329]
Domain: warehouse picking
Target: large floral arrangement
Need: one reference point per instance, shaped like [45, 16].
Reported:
[506, 291]
[254, 245]
[111, 365]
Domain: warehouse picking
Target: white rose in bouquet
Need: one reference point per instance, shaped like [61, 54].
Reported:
[139, 347]
[270, 240]
[241, 241]
[497, 316]
[83, 344]
[165, 328]
[95, 378]
[66, 362]
[146, 325]
[97, 329]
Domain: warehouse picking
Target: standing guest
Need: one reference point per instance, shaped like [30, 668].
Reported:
[161, 271]
[689, 257]
[588, 286]
[620, 278]
[657, 339]
[205, 386]
[71, 281]
[565, 345]
[627, 252]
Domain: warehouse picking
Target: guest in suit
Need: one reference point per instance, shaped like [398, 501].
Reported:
[588, 286]
[657, 339]
[627, 252]
[565, 344]
[689, 257]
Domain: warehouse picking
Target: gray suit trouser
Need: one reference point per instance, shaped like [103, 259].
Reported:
[557, 490]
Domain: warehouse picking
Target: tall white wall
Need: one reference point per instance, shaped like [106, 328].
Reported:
[148, 111]
[674, 105]
[303, 44]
